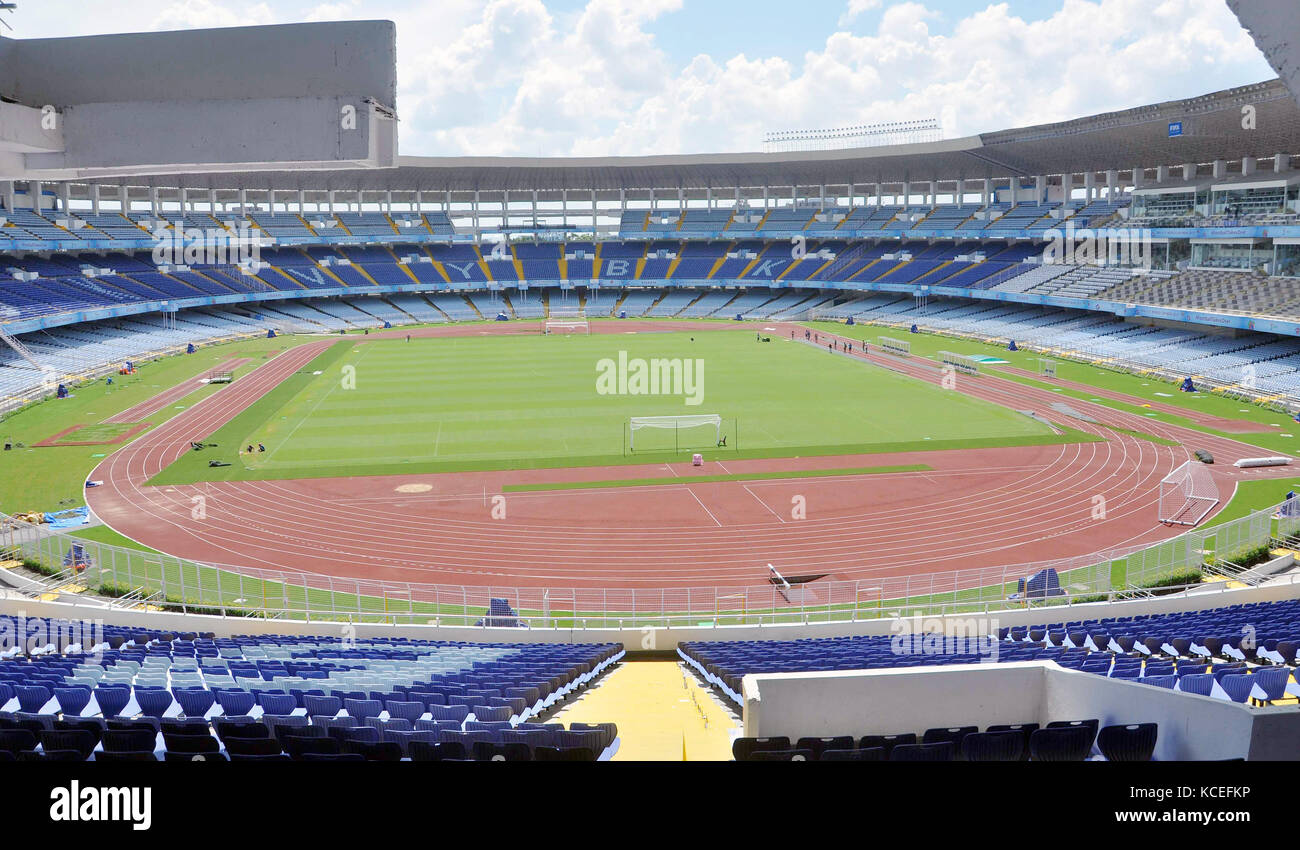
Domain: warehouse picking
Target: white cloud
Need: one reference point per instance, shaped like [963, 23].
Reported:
[509, 77]
[603, 87]
[856, 9]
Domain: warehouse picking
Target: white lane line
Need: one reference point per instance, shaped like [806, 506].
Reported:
[706, 510]
[764, 504]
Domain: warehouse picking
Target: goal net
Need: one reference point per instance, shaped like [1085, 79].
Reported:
[1188, 494]
[566, 326]
[675, 432]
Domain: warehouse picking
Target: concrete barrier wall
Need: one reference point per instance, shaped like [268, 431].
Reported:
[336, 58]
[635, 639]
[883, 702]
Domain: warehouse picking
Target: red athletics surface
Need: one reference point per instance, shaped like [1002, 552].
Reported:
[974, 508]
[150, 406]
[56, 439]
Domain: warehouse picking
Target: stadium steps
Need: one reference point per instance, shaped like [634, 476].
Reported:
[361, 270]
[472, 305]
[662, 713]
[864, 270]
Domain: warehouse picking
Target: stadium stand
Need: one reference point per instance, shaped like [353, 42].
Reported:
[161, 695]
[1160, 650]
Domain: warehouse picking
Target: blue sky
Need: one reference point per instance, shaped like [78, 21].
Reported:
[624, 77]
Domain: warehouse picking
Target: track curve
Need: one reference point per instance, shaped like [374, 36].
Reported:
[974, 510]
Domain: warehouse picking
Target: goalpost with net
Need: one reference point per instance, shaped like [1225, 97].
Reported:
[703, 430]
[1188, 494]
[566, 326]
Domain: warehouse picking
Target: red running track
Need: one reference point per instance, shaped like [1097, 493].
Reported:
[974, 509]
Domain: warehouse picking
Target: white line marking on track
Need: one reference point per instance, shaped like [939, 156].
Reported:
[706, 510]
[765, 504]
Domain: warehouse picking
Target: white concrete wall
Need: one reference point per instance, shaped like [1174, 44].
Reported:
[636, 639]
[241, 98]
[345, 58]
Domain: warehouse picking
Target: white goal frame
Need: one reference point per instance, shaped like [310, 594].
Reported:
[1187, 495]
[566, 326]
[637, 423]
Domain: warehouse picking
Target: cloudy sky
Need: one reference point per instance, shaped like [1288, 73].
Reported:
[611, 77]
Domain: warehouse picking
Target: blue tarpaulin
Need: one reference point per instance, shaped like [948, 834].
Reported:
[69, 518]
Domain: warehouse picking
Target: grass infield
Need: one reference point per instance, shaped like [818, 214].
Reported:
[390, 407]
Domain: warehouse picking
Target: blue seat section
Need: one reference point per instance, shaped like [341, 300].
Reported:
[1064, 740]
[1242, 652]
[397, 690]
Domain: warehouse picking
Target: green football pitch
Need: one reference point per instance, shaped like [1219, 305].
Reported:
[397, 406]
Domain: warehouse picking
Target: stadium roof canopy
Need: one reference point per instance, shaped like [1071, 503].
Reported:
[1213, 128]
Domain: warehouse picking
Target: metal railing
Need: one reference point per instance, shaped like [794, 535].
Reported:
[163, 582]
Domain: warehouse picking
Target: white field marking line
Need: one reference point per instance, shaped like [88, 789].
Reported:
[309, 415]
[437, 439]
[706, 510]
[764, 504]
[723, 468]
[669, 467]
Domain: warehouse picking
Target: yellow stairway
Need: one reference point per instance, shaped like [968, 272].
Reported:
[661, 714]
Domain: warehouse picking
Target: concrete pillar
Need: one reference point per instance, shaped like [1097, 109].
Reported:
[153, 201]
[1249, 165]
[595, 214]
[1220, 169]
[94, 198]
[34, 189]
[1112, 180]
[1281, 162]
